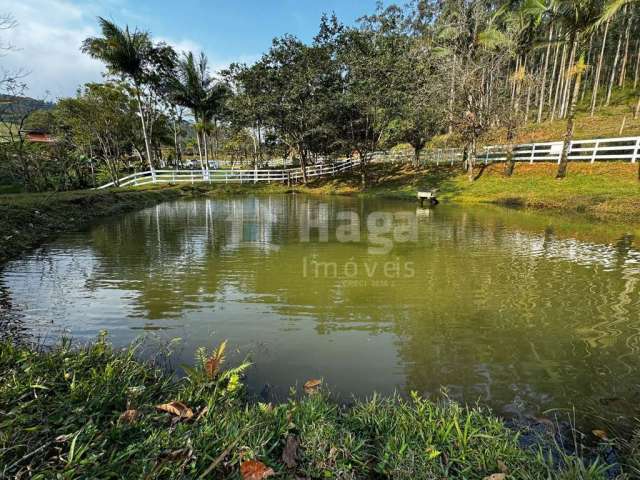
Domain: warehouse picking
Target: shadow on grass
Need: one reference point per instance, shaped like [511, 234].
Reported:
[392, 180]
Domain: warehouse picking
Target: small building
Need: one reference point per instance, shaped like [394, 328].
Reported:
[39, 136]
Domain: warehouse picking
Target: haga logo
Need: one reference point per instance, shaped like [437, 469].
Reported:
[383, 229]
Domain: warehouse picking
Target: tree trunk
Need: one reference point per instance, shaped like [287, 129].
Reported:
[363, 171]
[528, 103]
[416, 156]
[623, 66]
[613, 70]
[544, 76]
[636, 112]
[514, 83]
[147, 146]
[511, 164]
[260, 156]
[596, 79]
[199, 150]
[636, 71]
[451, 97]
[564, 159]
[471, 158]
[553, 76]
[559, 82]
[566, 93]
[588, 73]
[205, 141]
[303, 166]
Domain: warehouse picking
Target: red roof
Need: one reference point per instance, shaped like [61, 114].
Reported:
[37, 137]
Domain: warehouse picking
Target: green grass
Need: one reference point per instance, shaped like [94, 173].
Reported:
[605, 123]
[607, 191]
[60, 417]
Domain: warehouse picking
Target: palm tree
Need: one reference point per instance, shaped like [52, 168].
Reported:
[193, 87]
[213, 107]
[125, 53]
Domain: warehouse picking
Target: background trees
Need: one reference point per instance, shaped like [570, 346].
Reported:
[460, 72]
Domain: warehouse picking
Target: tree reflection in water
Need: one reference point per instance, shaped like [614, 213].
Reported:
[518, 309]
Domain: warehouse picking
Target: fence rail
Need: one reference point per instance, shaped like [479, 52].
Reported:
[231, 176]
[595, 150]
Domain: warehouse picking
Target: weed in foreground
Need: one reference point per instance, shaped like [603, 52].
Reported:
[97, 412]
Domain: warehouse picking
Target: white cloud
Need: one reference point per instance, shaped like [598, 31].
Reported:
[48, 39]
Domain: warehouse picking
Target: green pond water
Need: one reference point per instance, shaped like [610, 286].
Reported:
[519, 311]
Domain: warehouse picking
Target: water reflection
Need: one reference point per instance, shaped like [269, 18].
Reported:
[496, 305]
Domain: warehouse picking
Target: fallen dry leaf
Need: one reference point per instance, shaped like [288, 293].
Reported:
[176, 408]
[216, 359]
[601, 434]
[63, 438]
[176, 455]
[128, 416]
[311, 386]
[290, 452]
[496, 476]
[255, 470]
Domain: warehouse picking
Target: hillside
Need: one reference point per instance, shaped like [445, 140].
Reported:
[13, 108]
[606, 123]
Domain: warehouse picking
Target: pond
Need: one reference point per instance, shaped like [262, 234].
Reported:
[517, 310]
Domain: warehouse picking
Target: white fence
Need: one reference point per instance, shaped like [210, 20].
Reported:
[595, 150]
[231, 176]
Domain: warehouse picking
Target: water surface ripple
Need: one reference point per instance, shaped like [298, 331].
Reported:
[497, 305]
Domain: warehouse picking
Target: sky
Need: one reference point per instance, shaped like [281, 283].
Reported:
[49, 33]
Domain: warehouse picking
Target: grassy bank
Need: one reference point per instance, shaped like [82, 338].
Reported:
[28, 219]
[608, 191]
[92, 412]
[605, 190]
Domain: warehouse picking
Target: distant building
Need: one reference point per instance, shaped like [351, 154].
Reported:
[39, 136]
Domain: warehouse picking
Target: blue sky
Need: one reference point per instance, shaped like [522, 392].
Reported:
[49, 32]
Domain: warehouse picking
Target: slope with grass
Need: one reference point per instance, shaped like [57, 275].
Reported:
[608, 191]
[602, 190]
[614, 120]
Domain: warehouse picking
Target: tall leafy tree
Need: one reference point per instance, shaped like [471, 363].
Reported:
[129, 54]
[302, 87]
[472, 60]
[370, 60]
[97, 124]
